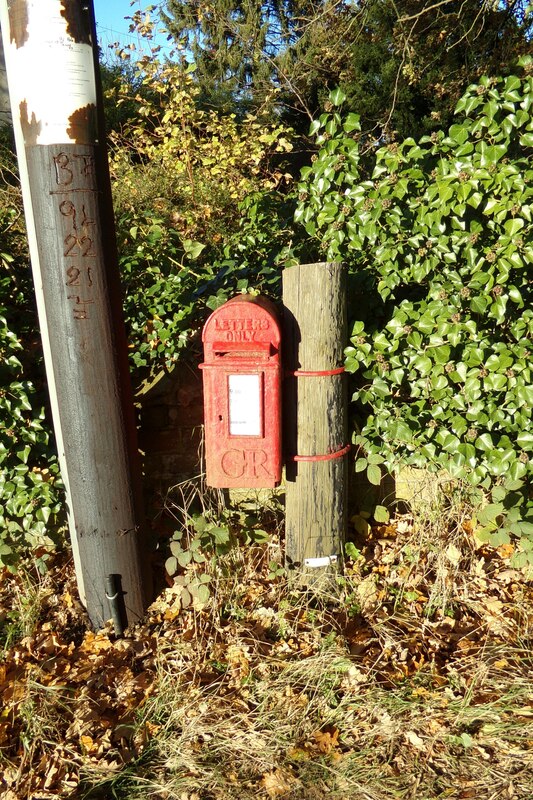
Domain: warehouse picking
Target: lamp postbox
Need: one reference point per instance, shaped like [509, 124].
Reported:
[242, 394]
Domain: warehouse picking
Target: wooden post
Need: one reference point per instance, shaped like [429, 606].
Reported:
[315, 422]
[52, 71]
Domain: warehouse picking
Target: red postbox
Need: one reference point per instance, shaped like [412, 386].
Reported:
[242, 394]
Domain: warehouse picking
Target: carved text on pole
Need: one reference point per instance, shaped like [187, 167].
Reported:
[74, 190]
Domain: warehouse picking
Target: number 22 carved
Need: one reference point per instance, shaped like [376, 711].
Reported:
[77, 243]
[85, 244]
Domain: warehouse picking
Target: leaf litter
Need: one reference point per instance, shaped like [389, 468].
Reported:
[414, 681]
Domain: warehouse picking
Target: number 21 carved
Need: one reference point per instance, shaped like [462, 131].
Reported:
[73, 274]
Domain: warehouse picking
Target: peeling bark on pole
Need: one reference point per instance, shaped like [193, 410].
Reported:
[52, 74]
[315, 424]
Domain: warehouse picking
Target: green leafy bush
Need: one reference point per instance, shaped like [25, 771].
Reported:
[170, 285]
[439, 238]
[31, 495]
[198, 212]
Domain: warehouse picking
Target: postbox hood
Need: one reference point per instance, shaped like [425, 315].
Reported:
[243, 319]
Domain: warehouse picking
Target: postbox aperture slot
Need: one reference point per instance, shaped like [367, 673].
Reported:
[261, 350]
[245, 404]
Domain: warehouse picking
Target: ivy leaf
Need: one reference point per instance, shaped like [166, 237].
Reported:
[351, 123]
[513, 226]
[525, 440]
[337, 97]
[381, 514]
[171, 565]
[373, 473]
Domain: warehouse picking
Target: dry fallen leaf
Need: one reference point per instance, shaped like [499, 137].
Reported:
[453, 554]
[54, 772]
[278, 783]
[87, 743]
[353, 678]
[324, 741]
[506, 550]
[414, 739]
[367, 594]
[238, 662]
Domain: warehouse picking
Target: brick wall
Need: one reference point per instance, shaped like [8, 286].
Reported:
[170, 434]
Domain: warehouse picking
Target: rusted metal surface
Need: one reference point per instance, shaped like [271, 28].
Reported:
[52, 76]
[31, 128]
[76, 15]
[83, 127]
[18, 21]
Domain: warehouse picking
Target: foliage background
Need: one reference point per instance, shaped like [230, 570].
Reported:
[402, 66]
[434, 224]
[31, 508]
[438, 237]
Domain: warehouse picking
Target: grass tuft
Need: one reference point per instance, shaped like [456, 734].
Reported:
[413, 682]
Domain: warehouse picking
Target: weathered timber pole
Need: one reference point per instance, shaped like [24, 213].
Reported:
[315, 420]
[52, 70]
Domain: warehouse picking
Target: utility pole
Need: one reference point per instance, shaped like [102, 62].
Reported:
[315, 421]
[53, 79]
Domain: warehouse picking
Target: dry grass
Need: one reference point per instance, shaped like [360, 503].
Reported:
[414, 683]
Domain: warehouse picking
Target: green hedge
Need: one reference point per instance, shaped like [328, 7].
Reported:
[31, 493]
[439, 241]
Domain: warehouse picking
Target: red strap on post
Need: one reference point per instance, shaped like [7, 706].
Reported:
[304, 373]
[327, 457]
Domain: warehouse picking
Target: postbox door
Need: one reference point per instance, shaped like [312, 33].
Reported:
[242, 428]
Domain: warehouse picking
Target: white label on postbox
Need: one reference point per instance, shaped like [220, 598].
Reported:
[244, 405]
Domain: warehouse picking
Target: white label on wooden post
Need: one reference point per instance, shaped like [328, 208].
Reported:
[244, 405]
[52, 74]
[323, 561]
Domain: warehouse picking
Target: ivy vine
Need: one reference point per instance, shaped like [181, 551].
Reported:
[440, 237]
